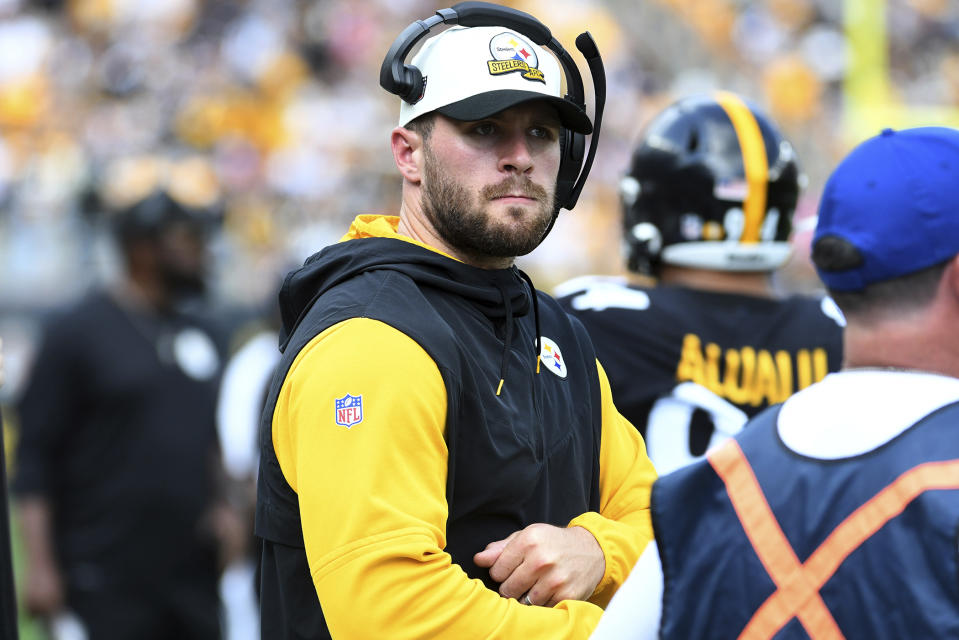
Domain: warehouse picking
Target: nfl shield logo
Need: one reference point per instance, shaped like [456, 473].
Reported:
[349, 410]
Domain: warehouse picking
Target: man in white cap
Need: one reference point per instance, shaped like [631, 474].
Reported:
[440, 455]
[836, 513]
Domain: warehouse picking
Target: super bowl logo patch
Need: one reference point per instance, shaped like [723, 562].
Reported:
[349, 410]
[552, 357]
[513, 54]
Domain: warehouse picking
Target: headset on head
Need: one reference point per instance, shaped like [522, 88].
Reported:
[406, 81]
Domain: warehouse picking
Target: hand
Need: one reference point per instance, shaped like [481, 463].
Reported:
[546, 564]
[43, 592]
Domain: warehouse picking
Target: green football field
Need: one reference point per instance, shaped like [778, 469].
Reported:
[29, 629]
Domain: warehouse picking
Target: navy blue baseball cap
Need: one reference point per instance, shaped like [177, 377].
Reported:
[895, 197]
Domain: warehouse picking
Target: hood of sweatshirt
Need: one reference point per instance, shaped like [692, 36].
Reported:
[372, 244]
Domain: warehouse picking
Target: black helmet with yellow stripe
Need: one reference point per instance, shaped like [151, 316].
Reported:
[712, 185]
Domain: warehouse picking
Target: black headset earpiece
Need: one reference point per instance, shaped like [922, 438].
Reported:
[413, 83]
[572, 148]
[406, 81]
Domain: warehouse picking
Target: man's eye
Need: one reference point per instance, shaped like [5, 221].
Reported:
[484, 129]
[542, 132]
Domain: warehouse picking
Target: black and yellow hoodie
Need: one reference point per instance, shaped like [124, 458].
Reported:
[409, 424]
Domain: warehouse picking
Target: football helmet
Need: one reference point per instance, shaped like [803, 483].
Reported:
[712, 184]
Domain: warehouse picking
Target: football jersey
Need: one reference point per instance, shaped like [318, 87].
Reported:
[688, 367]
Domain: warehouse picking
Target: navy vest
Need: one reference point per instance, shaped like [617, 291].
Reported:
[900, 582]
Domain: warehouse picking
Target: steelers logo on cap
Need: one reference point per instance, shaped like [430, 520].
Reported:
[513, 54]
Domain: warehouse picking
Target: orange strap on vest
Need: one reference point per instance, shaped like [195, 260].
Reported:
[798, 584]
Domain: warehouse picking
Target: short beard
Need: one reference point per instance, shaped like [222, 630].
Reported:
[468, 227]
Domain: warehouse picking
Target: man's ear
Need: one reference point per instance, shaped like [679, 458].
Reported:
[407, 153]
[952, 276]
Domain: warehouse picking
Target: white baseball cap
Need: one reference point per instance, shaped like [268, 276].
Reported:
[471, 73]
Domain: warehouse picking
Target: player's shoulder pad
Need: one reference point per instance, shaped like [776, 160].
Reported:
[597, 293]
[582, 283]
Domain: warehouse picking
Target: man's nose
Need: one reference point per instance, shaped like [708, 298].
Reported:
[515, 155]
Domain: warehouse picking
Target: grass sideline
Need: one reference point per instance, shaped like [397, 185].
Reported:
[28, 628]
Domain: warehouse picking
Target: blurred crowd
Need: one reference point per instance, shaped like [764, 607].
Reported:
[270, 110]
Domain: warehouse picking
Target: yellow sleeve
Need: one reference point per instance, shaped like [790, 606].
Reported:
[372, 496]
[623, 526]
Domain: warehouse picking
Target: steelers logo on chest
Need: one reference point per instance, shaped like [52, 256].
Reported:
[552, 357]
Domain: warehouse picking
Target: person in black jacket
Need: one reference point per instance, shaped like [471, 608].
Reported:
[696, 339]
[117, 457]
[440, 456]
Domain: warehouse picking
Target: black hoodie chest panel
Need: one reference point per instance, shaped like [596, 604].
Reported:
[529, 455]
